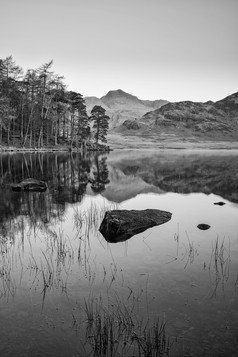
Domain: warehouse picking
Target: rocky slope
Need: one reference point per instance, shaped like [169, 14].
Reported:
[213, 120]
[123, 108]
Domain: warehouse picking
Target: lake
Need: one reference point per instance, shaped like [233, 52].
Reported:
[169, 291]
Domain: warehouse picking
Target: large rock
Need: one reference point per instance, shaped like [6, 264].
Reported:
[120, 225]
[30, 185]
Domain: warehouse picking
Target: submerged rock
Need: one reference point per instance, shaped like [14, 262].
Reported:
[219, 203]
[120, 225]
[203, 226]
[29, 185]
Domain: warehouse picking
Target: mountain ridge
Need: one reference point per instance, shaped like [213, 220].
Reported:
[183, 120]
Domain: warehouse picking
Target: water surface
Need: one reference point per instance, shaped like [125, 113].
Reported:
[53, 259]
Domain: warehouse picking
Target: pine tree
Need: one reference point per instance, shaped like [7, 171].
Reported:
[100, 123]
[10, 74]
[80, 128]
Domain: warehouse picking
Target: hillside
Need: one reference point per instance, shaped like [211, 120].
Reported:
[123, 107]
[213, 120]
[135, 121]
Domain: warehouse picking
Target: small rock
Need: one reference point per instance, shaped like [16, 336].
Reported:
[203, 226]
[219, 203]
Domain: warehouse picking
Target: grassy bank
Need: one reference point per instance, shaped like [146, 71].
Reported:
[60, 148]
[117, 141]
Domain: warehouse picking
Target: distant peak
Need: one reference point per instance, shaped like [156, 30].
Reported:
[117, 92]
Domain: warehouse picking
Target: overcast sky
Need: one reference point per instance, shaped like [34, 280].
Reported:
[170, 49]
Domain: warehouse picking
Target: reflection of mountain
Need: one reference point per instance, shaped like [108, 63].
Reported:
[178, 172]
[125, 185]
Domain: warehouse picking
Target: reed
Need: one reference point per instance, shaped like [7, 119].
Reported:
[220, 264]
[115, 330]
[88, 220]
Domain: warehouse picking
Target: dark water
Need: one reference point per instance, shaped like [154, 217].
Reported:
[54, 263]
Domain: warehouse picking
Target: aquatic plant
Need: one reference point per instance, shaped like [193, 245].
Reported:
[220, 264]
[115, 329]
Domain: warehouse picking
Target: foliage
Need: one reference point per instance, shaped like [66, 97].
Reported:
[100, 123]
[36, 110]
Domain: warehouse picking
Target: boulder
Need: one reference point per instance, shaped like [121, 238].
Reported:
[120, 225]
[203, 226]
[30, 185]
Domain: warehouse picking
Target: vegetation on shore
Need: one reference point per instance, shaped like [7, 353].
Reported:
[37, 111]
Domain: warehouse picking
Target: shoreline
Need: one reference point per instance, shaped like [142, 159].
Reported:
[13, 150]
[118, 142]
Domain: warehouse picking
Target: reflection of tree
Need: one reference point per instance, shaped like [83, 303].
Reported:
[72, 179]
[66, 175]
[100, 174]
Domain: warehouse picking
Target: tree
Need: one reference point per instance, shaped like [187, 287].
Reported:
[10, 96]
[36, 110]
[79, 123]
[100, 123]
[46, 79]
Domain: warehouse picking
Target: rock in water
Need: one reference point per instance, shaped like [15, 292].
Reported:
[203, 226]
[219, 203]
[120, 225]
[29, 185]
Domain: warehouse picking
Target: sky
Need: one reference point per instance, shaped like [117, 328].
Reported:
[154, 49]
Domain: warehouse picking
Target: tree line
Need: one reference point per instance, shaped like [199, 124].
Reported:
[36, 110]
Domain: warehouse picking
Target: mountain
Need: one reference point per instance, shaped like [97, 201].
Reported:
[118, 99]
[123, 107]
[159, 120]
[156, 104]
[92, 101]
[213, 120]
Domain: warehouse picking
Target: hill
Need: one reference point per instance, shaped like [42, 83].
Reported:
[213, 120]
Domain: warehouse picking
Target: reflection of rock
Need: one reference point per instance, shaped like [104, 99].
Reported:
[203, 226]
[219, 203]
[120, 225]
[30, 184]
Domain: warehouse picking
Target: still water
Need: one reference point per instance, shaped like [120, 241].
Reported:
[57, 272]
